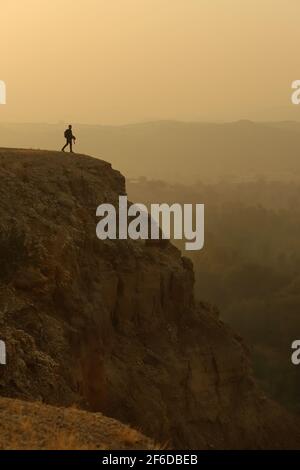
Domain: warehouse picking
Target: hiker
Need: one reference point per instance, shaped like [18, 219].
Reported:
[70, 138]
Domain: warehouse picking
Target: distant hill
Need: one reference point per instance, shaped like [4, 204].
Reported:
[177, 151]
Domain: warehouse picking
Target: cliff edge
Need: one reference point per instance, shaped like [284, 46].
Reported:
[112, 326]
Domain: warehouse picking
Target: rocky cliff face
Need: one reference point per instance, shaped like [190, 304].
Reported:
[112, 326]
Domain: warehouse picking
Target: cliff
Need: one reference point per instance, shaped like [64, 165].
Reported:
[113, 326]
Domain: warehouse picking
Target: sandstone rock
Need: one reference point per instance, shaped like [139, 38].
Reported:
[112, 325]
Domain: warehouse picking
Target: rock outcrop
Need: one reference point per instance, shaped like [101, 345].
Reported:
[112, 326]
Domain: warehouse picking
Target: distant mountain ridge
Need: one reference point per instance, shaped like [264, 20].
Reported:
[177, 151]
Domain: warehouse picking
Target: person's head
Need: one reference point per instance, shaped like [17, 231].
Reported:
[70, 126]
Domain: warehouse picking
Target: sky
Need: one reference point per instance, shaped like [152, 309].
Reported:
[122, 61]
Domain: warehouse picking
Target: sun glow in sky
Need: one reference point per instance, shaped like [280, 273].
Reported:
[117, 61]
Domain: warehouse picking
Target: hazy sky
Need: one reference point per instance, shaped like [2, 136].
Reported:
[115, 61]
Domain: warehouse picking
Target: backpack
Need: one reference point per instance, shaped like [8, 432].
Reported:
[66, 134]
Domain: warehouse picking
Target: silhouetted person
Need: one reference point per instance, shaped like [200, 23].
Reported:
[69, 138]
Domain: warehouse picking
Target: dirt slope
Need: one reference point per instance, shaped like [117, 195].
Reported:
[25, 426]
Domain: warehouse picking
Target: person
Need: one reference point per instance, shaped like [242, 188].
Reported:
[69, 138]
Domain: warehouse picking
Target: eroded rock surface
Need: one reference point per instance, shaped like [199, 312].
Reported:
[112, 326]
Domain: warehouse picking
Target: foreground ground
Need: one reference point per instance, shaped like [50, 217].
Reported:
[26, 426]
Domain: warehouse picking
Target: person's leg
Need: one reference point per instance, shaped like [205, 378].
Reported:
[63, 149]
[71, 146]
